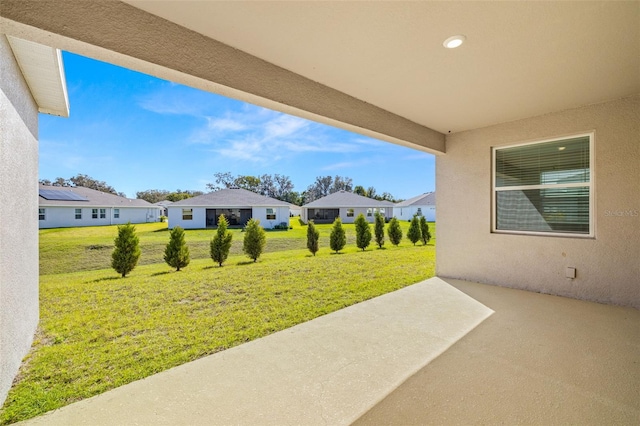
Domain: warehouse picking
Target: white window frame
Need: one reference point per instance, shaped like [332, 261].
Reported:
[271, 213]
[42, 213]
[78, 214]
[116, 213]
[103, 213]
[419, 211]
[94, 213]
[590, 185]
[351, 212]
[369, 212]
[187, 214]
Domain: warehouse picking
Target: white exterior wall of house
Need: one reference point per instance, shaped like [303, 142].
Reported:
[388, 212]
[607, 266]
[200, 216]
[19, 310]
[406, 213]
[260, 213]
[65, 217]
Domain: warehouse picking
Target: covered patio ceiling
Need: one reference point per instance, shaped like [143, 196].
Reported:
[378, 68]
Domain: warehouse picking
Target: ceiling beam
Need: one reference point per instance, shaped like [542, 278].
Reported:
[121, 34]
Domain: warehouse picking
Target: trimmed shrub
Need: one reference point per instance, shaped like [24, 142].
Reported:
[338, 237]
[176, 254]
[414, 234]
[379, 229]
[127, 250]
[221, 242]
[313, 238]
[254, 239]
[424, 228]
[363, 232]
[394, 231]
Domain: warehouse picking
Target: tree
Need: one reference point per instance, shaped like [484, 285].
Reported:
[424, 229]
[152, 195]
[363, 232]
[414, 234]
[379, 229]
[254, 239]
[127, 250]
[359, 189]
[394, 231]
[371, 192]
[313, 238]
[176, 254]
[338, 238]
[221, 242]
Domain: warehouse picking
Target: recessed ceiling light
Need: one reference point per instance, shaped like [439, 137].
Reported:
[454, 41]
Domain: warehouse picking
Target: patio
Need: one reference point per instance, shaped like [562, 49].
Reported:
[439, 352]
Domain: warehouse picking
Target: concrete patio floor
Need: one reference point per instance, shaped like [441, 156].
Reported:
[438, 352]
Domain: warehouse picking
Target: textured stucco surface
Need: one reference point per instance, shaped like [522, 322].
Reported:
[608, 266]
[18, 216]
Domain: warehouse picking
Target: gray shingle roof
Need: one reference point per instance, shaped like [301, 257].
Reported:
[235, 197]
[95, 198]
[346, 199]
[426, 199]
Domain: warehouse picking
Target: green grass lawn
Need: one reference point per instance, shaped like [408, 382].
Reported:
[98, 331]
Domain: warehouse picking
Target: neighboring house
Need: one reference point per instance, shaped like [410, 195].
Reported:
[238, 206]
[294, 210]
[65, 207]
[163, 206]
[345, 205]
[422, 205]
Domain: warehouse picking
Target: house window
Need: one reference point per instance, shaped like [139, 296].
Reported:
[271, 214]
[419, 212]
[187, 214]
[42, 214]
[544, 188]
[381, 210]
[78, 213]
[94, 213]
[369, 212]
[103, 213]
[116, 213]
[349, 212]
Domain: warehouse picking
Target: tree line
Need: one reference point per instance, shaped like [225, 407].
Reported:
[275, 186]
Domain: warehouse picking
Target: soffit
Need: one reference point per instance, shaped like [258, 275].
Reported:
[43, 71]
[520, 59]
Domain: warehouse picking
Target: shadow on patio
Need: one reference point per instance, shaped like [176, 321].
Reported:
[538, 359]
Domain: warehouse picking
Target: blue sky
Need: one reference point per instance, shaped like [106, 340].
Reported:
[137, 132]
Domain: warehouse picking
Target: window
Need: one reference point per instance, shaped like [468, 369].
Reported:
[78, 213]
[381, 210]
[369, 212]
[42, 214]
[419, 212]
[94, 213]
[349, 212]
[116, 213]
[271, 214]
[544, 188]
[187, 214]
[103, 213]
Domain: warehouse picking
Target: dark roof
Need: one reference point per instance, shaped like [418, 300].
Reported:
[93, 198]
[426, 199]
[235, 197]
[346, 199]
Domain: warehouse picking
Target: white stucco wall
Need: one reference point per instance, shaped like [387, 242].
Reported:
[260, 213]
[406, 213]
[19, 230]
[608, 266]
[388, 213]
[64, 217]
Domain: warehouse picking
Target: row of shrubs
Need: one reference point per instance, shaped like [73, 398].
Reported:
[418, 231]
[127, 246]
